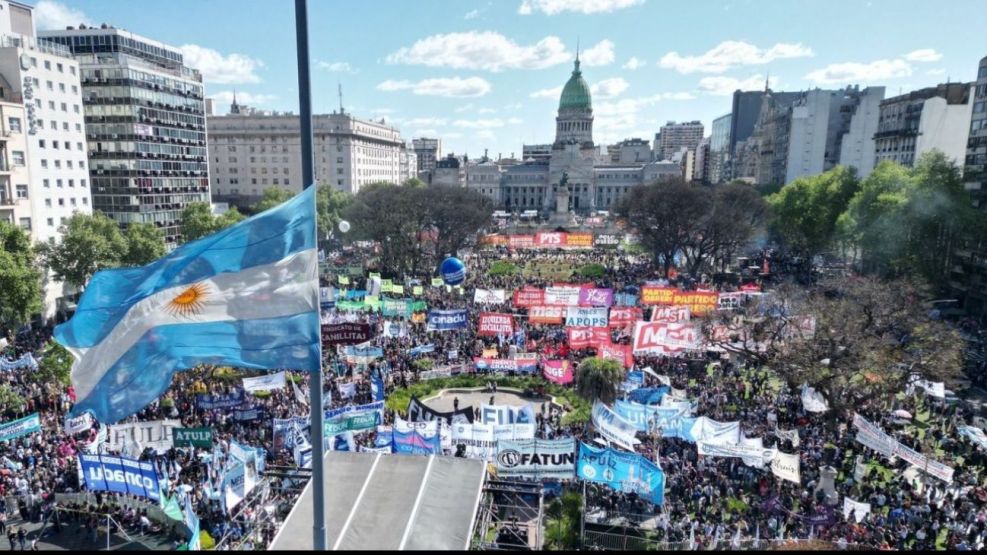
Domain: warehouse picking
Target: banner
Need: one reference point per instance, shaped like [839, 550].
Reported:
[526, 364]
[394, 329]
[591, 296]
[220, 400]
[489, 296]
[786, 467]
[333, 413]
[562, 295]
[753, 456]
[248, 415]
[613, 351]
[156, 435]
[266, 382]
[528, 297]
[546, 314]
[649, 395]
[445, 320]
[26, 362]
[419, 412]
[481, 440]
[935, 389]
[812, 400]
[585, 338]
[670, 314]
[20, 427]
[120, 475]
[872, 436]
[521, 241]
[709, 431]
[356, 422]
[537, 458]
[606, 241]
[413, 443]
[581, 317]
[362, 354]
[625, 299]
[645, 418]
[550, 240]
[78, 424]
[579, 240]
[192, 437]
[621, 317]
[557, 371]
[506, 414]
[699, 302]
[495, 323]
[346, 333]
[614, 428]
[857, 509]
[664, 338]
[626, 472]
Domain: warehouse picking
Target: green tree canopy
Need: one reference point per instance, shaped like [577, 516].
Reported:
[805, 212]
[54, 367]
[90, 242]
[20, 278]
[272, 197]
[199, 221]
[330, 204]
[145, 244]
[599, 379]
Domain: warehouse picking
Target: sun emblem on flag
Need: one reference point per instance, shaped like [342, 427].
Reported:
[190, 301]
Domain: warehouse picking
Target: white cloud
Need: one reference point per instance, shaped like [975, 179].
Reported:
[609, 88]
[730, 54]
[472, 14]
[216, 68]
[616, 118]
[483, 50]
[923, 55]
[553, 92]
[634, 63]
[335, 67]
[50, 15]
[599, 55]
[724, 86]
[853, 72]
[485, 134]
[553, 7]
[223, 99]
[453, 87]
[515, 121]
[478, 123]
[936, 72]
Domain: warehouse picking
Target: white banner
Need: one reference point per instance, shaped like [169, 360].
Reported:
[489, 296]
[752, 456]
[562, 296]
[874, 437]
[858, 509]
[812, 400]
[786, 467]
[659, 337]
[935, 389]
[711, 432]
[790, 435]
[395, 329]
[670, 314]
[425, 429]
[155, 434]
[614, 428]
[79, 423]
[582, 317]
[506, 414]
[481, 439]
[266, 382]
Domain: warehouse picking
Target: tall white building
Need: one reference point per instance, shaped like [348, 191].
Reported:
[857, 146]
[44, 160]
[251, 151]
[933, 118]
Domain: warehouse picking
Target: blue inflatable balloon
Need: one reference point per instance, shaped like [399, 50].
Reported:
[453, 271]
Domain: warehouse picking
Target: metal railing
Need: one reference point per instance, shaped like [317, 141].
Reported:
[33, 43]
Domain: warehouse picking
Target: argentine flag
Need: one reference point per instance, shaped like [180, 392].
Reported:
[246, 296]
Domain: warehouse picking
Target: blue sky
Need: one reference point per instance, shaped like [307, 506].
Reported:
[486, 74]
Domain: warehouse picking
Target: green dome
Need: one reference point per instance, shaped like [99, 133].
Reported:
[575, 94]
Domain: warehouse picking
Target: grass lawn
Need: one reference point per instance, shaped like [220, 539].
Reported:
[555, 271]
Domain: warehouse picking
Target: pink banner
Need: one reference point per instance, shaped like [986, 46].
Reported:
[494, 323]
[623, 316]
[621, 353]
[558, 371]
[591, 296]
[584, 338]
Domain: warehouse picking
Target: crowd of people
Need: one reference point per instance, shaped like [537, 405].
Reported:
[707, 500]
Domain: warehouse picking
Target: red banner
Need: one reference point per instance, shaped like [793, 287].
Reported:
[551, 240]
[558, 371]
[495, 323]
[623, 316]
[620, 353]
[670, 314]
[521, 241]
[664, 338]
[493, 240]
[585, 338]
[528, 297]
[579, 240]
[699, 302]
[546, 314]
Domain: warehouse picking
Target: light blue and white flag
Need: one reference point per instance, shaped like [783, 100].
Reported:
[247, 297]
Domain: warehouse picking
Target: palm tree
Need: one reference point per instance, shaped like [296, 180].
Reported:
[599, 379]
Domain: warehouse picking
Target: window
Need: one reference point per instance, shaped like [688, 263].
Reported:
[41, 143]
[51, 222]
[48, 202]
[61, 87]
[34, 63]
[54, 124]
[71, 183]
[51, 104]
[85, 201]
[78, 146]
[75, 89]
[58, 183]
[47, 182]
[61, 202]
[54, 144]
[286, 181]
[73, 201]
[21, 191]
[14, 124]
[65, 126]
[67, 145]
[78, 127]
[72, 71]
[65, 107]
[60, 67]
[49, 84]
[82, 182]
[18, 156]
[25, 224]
[68, 164]
[47, 64]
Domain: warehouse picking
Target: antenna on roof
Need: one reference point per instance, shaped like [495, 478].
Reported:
[340, 98]
[767, 78]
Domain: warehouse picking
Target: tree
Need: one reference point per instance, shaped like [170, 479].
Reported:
[330, 204]
[272, 197]
[563, 522]
[11, 402]
[456, 214]
[20, 278]
[145, 244]
[199, 221]
[666, 217]
[90, 242]
[414, 183]
[598, 379]
[868, 336]
[806, 210]
[737, 212]
[54, 366]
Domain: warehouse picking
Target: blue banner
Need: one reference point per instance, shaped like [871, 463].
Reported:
[120, 475]
[377, 387]
[20, 427]
[363, 352]
[625, 299]
[649, 395]
[26, 362]
[445, 320]
[356, 293]
[220, 401]
[645, 416]
[413, 443]
[421, 350]
[626, 472]
[330, 414]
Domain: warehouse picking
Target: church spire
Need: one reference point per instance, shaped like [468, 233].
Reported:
[234, 108]
[577, 54]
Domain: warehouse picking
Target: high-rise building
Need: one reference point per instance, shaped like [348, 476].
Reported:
[719, 150]
[746, 110]
[252, 151]
[428, 151]
[857, 145]
[932, 118]
[145, 126]
[536, 152]
[675, 136]
[44, 176]
[976, 148]
[407, 163]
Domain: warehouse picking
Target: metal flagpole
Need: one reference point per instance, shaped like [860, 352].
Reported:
[316, 433]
